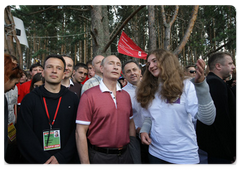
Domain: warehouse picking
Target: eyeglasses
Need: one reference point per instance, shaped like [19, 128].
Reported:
[192, 71]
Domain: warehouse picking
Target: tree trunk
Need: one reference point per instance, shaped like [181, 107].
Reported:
[158, 32]
[98, 30]
[152, 31]
[91, 49]
[168, 26]
[214, 34]
[134, 26]
[9, 21]
[44, 51]
[5, 43]
[63, 31]
[85, 44]
[34, 40]
[80, 52]
[106, 28]
[8, 32]
[184, 51]
[75, 53]
[135, 30]
[178, 50]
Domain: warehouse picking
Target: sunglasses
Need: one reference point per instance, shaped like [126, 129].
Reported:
[192, 71]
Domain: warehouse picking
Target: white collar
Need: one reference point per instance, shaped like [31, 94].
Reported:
[71, 83]
[104, 88]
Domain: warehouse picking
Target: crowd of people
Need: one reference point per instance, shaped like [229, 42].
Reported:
[109, 112]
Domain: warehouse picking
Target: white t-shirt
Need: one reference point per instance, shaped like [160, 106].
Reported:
[172, 133]
[12, 97]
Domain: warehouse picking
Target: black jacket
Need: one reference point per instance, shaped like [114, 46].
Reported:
[219, 139]
[32, 121]
[5, 125]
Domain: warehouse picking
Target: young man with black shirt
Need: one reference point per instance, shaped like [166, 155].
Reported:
[49, 108]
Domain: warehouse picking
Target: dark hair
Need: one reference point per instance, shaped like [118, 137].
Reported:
[127, 62]
[25, 73]
[78, 65]
[89, 63]
[55, 56]
[190, 66]
[217, 57]
[11, 70]
[37, 77]
[35, 65]
[187, 67]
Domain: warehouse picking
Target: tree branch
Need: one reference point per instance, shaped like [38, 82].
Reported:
[42, 10]
[188, 31]
[81, 10]
[175, 15]
[121, 27]
[164, 16]
[213, 51]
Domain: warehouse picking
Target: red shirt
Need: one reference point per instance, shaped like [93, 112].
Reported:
[108, 124]
[25, 89]
[85, 80]
[19, 90]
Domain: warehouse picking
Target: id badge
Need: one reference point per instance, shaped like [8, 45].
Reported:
[52, 141]
[11, 132]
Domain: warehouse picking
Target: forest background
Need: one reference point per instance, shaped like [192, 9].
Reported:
[84, 31]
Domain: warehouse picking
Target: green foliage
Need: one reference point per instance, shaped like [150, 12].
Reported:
[58, 26]
[39, 52]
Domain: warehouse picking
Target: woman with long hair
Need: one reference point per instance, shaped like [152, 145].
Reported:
[172, 102]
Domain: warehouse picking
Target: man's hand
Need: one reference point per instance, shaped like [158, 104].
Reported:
[52, 160]
[200, 71]
[146, 140]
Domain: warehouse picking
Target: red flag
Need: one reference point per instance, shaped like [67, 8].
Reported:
[128, 47]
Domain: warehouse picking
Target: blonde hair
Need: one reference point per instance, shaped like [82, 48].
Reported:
[171, 77]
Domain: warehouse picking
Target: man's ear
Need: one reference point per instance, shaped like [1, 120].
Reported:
[43, 73]
[101, 68]
[218, 66]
